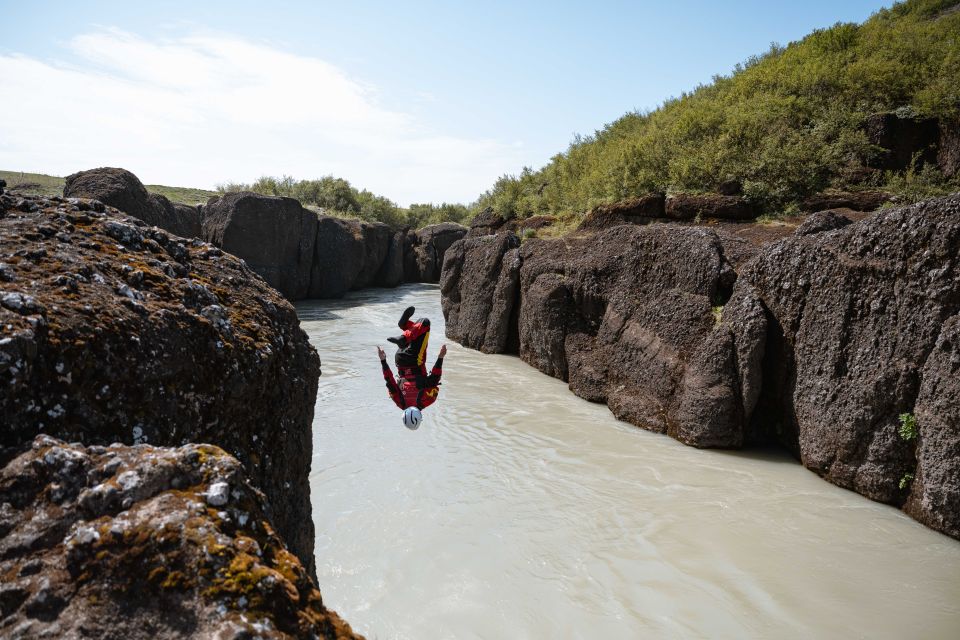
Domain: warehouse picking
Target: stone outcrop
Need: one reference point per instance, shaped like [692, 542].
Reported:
[274, 235]
[853, 200]
[489, 222]
[298, 252]
[854, 315]
[121, 189]
[338, 258]
[818, 340]
[146, 542]
[115, 331]
[630, 211]
[427, 248]
[902, 141]
[688, 206]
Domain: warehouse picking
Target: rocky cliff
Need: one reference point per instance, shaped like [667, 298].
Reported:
[145, 542]
[725, 336]
[115, 331]
[298, 252]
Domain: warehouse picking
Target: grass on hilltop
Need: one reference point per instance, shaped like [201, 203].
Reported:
[44, 185]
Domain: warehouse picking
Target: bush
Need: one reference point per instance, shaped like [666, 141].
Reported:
[786, 123]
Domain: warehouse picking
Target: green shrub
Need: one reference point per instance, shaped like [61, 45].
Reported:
[787, 122]
[908, 426]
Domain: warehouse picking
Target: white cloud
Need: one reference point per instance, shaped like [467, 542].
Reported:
[209, 108]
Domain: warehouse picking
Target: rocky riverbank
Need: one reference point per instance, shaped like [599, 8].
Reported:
[119, 332]
[300, 253]
[727, 336]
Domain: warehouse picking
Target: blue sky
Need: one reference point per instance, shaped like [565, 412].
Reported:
[424, 101]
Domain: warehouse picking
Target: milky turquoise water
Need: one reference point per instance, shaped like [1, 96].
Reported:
[518, 510]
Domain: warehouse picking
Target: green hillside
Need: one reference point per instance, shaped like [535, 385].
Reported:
[42, 184]
[786, 123]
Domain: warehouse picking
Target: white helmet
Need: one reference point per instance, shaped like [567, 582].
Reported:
[412, 418]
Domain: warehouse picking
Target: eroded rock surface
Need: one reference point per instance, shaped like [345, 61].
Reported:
[275, 236]
[146, 543]
[816, 337]
[427, 248]
[115, 331]
[121, 189]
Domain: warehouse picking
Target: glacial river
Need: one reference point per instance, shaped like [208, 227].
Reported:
[518, 510]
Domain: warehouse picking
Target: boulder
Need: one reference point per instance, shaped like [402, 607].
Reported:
[902, 140]
[339, 253]
[179, 219]
[115, 331]
[536, 222]
[822, 221]
[426, 249]
[689, 206]
[853, 200]
[146, 542]
[275, 236]
[488, 222]
[631, 211]
[121, 189]
[472, 270]
[114, 187]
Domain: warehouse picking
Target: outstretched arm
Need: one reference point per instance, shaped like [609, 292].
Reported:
[392, 389]
[434, 378]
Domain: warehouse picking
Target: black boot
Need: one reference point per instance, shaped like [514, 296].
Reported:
[405, 318]
[400, 341]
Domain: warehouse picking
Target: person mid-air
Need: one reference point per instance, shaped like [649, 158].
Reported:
[413, 389]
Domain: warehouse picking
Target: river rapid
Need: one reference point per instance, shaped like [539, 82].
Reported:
[518, 510]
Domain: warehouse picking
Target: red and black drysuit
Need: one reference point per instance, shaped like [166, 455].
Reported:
[413, 387]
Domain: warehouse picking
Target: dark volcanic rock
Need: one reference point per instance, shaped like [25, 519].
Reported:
[427, 248]
[146, 542]
[948, 154]
[632, 211]
[114, 187]
[376, 241]
[935, 492]
[339, 253]
[121, 189]
[822, 221]
[488, 222]
[179, 219]
[688, 206]
[620, 315]
[819, 341]
[472, 271]
[391, 272]
[275, 236]
[903, 140]
[119, 332]
[536, 222]
[854, 200]
[854, 315]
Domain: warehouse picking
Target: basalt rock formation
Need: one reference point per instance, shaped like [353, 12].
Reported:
[298, 252]
[275, 236]
[115, 331]
[818, 341]
[146, 543]
[121, 189]
[427, 248]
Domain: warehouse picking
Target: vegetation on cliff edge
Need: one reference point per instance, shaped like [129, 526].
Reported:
[786, 123]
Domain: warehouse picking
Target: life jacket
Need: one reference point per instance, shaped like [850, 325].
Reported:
[414, 351]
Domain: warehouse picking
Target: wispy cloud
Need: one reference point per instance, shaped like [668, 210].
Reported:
[206, 108]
